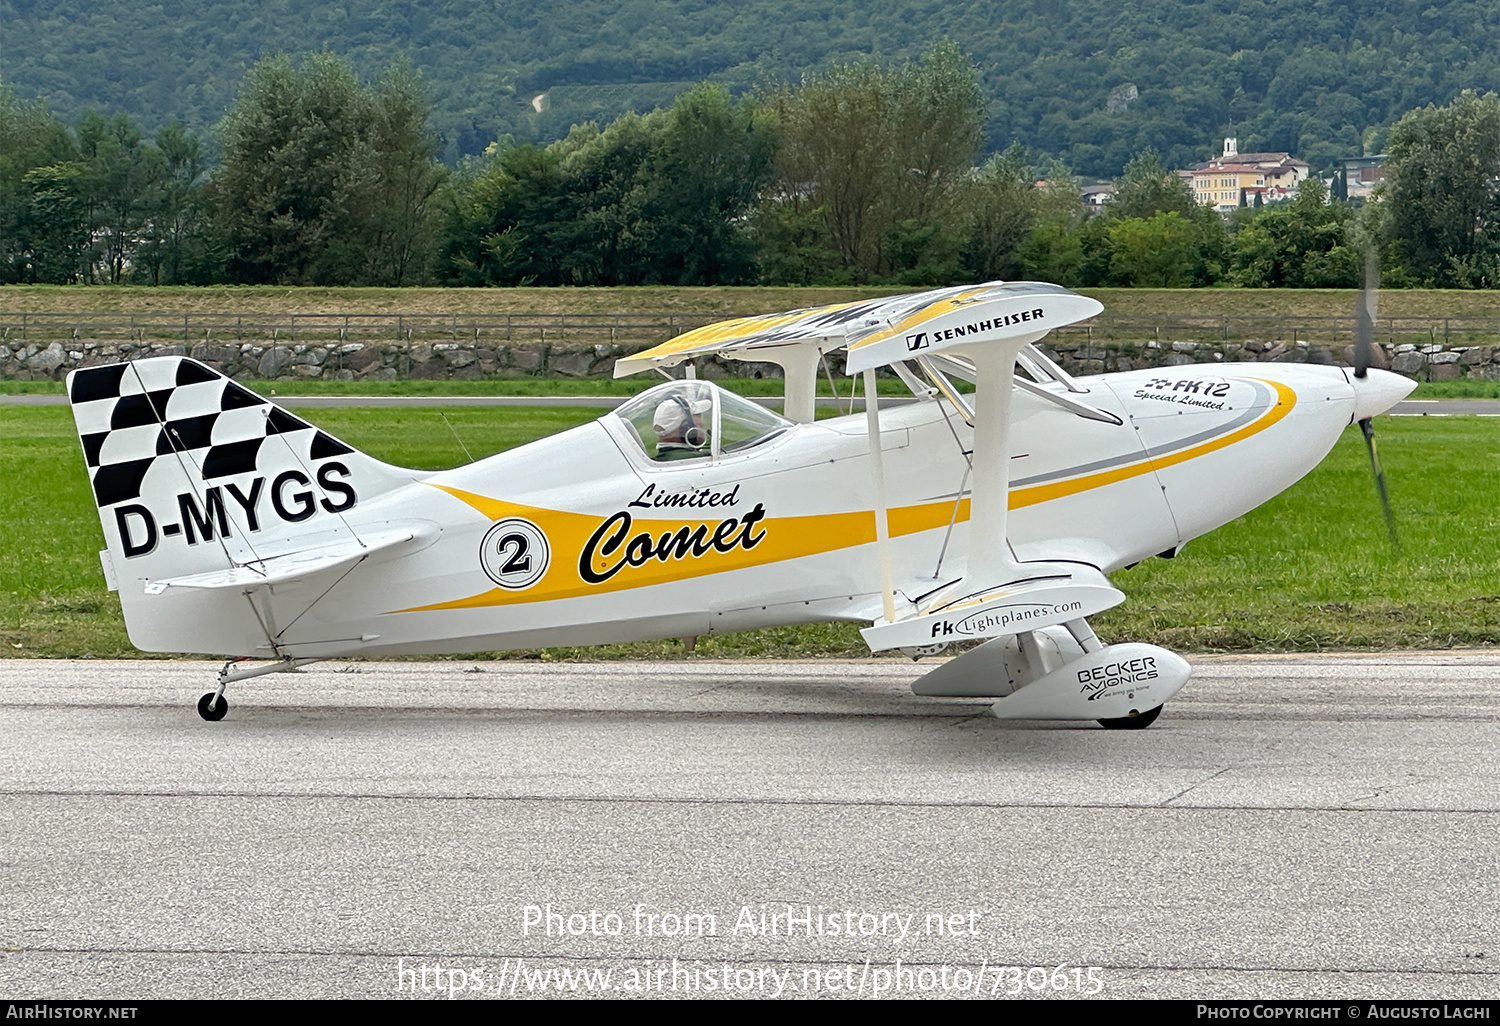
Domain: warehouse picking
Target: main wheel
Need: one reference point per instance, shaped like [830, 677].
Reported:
[210, 710]
[1140, 721]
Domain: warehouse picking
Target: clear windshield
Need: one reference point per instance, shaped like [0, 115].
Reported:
[682, 420]
[743, 424]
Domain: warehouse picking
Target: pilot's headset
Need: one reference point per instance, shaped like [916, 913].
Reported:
[674, 414]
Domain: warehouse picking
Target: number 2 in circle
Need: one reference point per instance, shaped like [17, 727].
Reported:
[514, 553]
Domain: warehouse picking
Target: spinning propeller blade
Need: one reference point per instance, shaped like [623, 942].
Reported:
[1385, 498]
[1364, 317]
[1364, 329]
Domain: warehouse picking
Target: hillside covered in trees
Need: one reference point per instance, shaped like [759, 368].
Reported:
[1088, 81]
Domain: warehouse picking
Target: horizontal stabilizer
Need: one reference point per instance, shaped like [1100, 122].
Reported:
[1058, 592]
[293, 566]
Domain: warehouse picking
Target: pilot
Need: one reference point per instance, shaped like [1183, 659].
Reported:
[678, 423]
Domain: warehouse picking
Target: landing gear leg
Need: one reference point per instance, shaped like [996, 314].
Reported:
[1084, 635]
[213, 706]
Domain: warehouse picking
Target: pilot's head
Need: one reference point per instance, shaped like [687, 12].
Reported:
[678, 419]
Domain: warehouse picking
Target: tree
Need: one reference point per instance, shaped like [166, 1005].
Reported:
[1301, 244]
[297, 173]
[1003, 209]
[1193, 241]
[1147, 188]
[178, 248]
[660, 199]
[835, 157]
[120, 171]
[83, 216]
[500, 215]
[1155, 252]
[403, 219]
[1052, 251]
[325, 181]
[1440, 191]
[794, 246]
[30, 139]
[99, 204]
[54, 229]
[707, 169]
[883, 153]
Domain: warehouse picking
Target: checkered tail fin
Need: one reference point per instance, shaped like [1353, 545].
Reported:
[193, 472]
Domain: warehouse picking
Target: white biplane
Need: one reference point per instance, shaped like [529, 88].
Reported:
[236, 528]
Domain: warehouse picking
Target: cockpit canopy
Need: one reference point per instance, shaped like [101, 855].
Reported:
[692, 419]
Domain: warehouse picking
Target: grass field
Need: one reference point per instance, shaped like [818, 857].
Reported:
[1310, 570]
[1126, 303]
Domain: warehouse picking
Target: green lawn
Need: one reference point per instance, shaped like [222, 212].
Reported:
[1312, 569]
[1309, 570]
[1465, 388]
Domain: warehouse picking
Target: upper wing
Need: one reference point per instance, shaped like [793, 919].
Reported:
[885, 330]
[831, 326]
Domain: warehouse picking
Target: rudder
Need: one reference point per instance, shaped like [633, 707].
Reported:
[192, 471]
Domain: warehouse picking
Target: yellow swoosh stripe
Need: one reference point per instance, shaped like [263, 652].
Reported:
[785, 538]
[1286, 398]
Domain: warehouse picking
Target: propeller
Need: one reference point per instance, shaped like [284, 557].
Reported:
[1364, 350]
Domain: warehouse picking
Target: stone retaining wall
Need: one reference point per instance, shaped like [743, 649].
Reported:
[356, 361]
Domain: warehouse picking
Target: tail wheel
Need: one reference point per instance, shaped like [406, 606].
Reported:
[1136, 721]
[211, 710]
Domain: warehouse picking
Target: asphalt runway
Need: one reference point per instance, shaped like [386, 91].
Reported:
[1304, 826]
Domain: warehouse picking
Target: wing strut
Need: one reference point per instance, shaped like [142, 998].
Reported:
[882, 517]
[990, 559]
